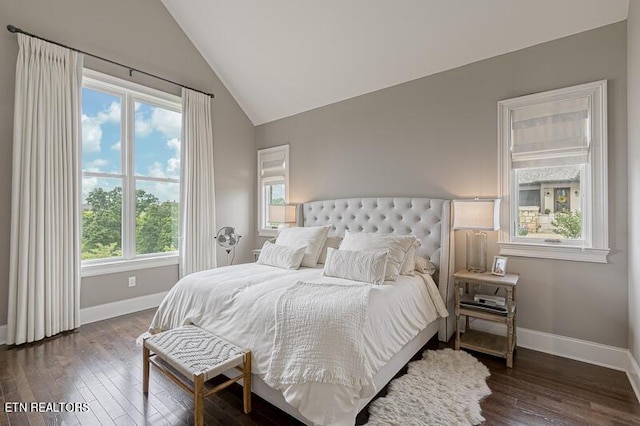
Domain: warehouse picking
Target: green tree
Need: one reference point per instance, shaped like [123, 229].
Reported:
[102, 224]
[568, 224]
[156, 224]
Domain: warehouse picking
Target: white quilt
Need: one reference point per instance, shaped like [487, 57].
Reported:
[238, 302]
[319, 329]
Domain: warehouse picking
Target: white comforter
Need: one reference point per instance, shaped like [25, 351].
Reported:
[238, 302]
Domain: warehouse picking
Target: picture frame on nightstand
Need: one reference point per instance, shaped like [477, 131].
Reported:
[499, 266]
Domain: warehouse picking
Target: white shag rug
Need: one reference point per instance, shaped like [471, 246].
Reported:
[445, 387]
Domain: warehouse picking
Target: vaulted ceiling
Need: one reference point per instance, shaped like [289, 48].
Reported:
[282, 57]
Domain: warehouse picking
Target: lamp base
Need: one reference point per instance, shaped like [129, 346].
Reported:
[476, 251]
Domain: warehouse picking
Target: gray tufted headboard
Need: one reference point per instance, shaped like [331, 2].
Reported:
[428, 219]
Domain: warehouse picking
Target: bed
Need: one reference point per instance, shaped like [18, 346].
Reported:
[238, 302]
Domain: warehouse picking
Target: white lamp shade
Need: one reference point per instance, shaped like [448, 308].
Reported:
[477, 215]
[282, 213]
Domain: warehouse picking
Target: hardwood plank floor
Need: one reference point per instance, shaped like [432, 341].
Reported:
[101, 365]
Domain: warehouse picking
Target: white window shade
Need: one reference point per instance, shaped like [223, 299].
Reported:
[556, 132]
[273, 165]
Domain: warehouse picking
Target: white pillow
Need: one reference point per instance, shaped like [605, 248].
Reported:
[424, 266]
[367, 266]
[311, 238]
[409, 263]
[333, 242]
[281, 256]
[396, 245]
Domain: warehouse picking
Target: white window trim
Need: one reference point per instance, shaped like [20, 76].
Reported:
[596, 244]
[270, 232]
[134, 92]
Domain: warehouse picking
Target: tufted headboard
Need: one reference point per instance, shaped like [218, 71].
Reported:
[428, 219]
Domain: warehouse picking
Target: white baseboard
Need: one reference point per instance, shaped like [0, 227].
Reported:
[109, 310]
[634, 375]
[121, 307]
[568, 347]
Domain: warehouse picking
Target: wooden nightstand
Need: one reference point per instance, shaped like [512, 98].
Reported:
[502, 346]
[256, 254]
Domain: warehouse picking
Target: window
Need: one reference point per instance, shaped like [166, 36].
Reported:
[130, 175]
[553, 174]
[273, 185]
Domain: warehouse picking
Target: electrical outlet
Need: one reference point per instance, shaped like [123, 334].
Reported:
[132, 281]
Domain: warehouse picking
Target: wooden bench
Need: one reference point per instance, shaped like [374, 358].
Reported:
[199, 356]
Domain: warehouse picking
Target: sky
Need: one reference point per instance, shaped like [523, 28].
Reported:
[156, 144]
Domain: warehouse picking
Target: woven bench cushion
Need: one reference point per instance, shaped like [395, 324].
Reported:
[194, 351]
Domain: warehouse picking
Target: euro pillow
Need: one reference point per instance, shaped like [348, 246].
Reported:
[424, 266]
[396, 245]
[312, 238]
[333, 242]
[366, 266]
[281, 256]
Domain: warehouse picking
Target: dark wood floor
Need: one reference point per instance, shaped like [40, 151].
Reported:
[101, 365]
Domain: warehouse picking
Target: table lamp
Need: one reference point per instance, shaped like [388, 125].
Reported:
[282, 214]
[476, 215]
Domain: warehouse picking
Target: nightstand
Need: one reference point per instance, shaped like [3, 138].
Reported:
[476, 340]
[256, 254]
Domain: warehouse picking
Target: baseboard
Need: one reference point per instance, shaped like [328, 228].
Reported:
[121, 307]
[634, 375]
[568, 347]
[108, 310]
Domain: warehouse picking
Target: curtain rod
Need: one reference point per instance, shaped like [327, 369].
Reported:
[13, 29]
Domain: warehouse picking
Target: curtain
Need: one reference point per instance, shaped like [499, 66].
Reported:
[44, 277]
[197, 204]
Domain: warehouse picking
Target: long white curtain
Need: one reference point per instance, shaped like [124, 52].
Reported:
[197, 196]
[44, 278]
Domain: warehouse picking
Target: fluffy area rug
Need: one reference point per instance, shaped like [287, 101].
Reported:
[445, 387]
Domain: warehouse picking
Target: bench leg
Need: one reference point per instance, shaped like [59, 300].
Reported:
[246, 383]
[198, 400]
[145, 369]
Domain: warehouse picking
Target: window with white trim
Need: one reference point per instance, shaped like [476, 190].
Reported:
[553, 174]
[273, 185]
[130, 173]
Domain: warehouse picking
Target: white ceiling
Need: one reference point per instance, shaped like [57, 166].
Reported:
[282, 57]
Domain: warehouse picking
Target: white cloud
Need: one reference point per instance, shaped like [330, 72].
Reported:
[96, 165]
[173, 164]
[91, 134]
[167, 122]
[156, 170]
[111, 115]
[116, 146]
[92, 130]
[143, 126]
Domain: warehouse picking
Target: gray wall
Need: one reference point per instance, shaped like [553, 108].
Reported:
[633, 105]
[437, 136]
[143, 34]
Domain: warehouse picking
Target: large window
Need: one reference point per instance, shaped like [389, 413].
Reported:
[273, 185]
[130, 172]
[553, 165]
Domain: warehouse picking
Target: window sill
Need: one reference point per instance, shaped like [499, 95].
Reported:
[544, 251]
[112, 267]
[268, 233]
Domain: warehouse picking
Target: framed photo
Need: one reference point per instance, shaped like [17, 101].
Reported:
[499, 266]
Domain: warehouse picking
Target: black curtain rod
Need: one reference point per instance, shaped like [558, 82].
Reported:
[13, 29]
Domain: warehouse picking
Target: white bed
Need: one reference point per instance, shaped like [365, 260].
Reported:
[238, 302]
